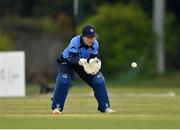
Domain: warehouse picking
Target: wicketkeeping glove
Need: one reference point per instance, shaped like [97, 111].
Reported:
[82, 61]
[86, 66]
[95, 64]
[92, 67]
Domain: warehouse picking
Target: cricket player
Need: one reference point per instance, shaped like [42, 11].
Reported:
[81, 56]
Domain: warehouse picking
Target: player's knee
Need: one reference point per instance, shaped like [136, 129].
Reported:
[98, 79]
[64, 78]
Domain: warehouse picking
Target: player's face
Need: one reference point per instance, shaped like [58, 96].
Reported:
[88, 40]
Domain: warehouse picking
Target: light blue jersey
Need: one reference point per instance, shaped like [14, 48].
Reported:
[77, 46]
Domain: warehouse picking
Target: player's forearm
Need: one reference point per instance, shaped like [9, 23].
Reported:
[73, 58]
[92, 56]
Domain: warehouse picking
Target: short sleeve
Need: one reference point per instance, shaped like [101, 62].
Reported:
[74, 44]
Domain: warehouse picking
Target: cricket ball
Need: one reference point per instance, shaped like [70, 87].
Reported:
[133, 64]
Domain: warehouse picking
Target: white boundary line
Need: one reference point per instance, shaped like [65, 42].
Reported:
[168, 94]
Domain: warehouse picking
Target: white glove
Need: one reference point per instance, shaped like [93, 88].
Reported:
[95, 63]
[82, 61]
[86, 66]
[93, 66]
[88, 69]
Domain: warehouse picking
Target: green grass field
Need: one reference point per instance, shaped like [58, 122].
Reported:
[136, 107]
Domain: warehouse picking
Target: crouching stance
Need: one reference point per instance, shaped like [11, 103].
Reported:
[81, 56]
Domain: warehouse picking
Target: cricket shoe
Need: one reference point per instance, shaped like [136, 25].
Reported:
[56, 111]
[109, 110]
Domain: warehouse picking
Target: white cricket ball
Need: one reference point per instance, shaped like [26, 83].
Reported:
[133, 64]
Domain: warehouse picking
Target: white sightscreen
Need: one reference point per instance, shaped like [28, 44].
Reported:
[12, 74]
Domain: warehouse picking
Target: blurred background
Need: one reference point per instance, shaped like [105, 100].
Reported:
[145, 32]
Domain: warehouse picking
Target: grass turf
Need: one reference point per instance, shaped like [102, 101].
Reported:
[136, 107]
